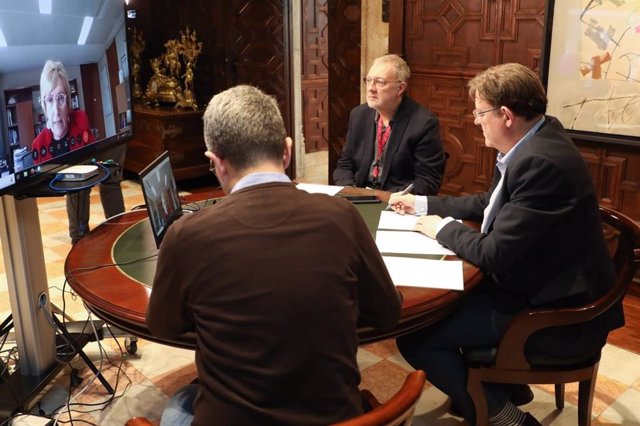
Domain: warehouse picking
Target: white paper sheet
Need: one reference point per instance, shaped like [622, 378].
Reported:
[393, 220]
[314, 188]
[445, 274]
[408, 242]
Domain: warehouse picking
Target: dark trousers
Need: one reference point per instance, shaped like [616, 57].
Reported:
[110, 196]
[480, 321]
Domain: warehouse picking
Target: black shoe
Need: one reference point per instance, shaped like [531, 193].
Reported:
[453, 410]
[520, 394]
[529, 420]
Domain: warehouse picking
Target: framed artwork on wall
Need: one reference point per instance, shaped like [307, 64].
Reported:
[591, 67]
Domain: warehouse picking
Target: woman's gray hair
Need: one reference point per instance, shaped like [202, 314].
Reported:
[52, 73]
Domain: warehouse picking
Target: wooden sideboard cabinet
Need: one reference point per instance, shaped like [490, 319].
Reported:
[167, 129]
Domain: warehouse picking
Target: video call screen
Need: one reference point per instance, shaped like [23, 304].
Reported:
[160, 195]
[48, 121]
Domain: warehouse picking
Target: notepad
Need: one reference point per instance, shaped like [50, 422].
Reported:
[314, 188]
[409, 242]
[427, 273]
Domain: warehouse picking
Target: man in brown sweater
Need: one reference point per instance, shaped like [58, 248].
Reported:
[273, 281]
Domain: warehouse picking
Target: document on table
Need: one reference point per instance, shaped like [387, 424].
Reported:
[407, 271]
[314, 188]
[399, 222]
[410, 242]
[393, 220]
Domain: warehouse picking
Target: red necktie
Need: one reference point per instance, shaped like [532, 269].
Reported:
[382, 136]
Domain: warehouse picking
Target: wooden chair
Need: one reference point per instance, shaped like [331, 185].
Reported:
[138, 421]
[507, 363]
[395, 412]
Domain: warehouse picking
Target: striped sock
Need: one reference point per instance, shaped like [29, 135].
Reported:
[510, 415]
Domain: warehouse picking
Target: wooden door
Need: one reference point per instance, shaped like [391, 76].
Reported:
[315, 74]
[344, 72]
[92, 97]
[26, 129]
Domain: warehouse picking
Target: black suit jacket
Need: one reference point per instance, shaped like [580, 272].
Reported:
[545, 244]
[414, 151]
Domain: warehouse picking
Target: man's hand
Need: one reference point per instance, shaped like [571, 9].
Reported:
[428, 225]
[403, 203]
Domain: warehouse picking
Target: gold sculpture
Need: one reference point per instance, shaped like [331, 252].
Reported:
[137, 46]
[164, 84]
[189, 50]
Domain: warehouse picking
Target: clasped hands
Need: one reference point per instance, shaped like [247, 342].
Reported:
[405, 204]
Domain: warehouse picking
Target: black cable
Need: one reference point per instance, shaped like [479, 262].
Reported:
[107, 265]
[103, 404]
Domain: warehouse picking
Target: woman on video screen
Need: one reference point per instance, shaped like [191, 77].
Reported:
[66, 130]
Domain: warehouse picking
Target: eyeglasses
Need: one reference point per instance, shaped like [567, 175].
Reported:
[477, 114]
[60, 99]
[377, 82]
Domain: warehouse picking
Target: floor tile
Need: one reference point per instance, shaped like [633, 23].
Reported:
[626, 409]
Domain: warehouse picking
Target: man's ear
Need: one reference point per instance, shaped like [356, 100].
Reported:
[218, 163]
[286, 155]
[508, 116]
[402, 87]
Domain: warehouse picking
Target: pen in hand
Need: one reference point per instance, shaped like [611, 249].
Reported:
[405, 191]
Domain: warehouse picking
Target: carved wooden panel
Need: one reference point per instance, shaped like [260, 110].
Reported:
[257, 50]
[446, 43]
[344, 71]
[315, 74]
[314, 39]
[616, 173]
[316, 126]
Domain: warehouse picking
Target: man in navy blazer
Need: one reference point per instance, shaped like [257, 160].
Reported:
[540, 243]
[392, 141]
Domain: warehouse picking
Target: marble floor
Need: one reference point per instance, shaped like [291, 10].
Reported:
[145, 380]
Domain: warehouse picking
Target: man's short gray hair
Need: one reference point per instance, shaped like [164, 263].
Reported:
[243, 125]
[402, 68]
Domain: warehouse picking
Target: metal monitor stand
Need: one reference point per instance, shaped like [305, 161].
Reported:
[27, 281]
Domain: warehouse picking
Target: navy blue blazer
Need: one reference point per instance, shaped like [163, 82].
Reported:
[414, 150]
[546, 243]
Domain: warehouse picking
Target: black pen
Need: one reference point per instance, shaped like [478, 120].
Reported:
[404, 192]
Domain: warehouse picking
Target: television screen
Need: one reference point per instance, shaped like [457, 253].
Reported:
[64, 86]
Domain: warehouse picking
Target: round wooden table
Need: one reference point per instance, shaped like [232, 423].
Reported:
[112, 269]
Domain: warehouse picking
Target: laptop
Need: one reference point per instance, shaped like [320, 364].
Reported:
[160, 195]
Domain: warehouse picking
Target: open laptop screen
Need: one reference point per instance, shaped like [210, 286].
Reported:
[160, 195]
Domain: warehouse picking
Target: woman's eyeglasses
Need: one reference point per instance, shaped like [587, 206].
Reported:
[60, 100]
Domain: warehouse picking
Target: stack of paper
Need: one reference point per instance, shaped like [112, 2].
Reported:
[313, 188]
[396, 235]
[427, 273]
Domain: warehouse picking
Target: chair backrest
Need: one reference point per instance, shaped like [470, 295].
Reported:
[396, 411]
[623, 238]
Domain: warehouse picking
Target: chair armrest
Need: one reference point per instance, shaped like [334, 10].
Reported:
[398, 407]
[511, 354]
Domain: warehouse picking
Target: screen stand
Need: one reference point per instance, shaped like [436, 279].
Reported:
[26, 281]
